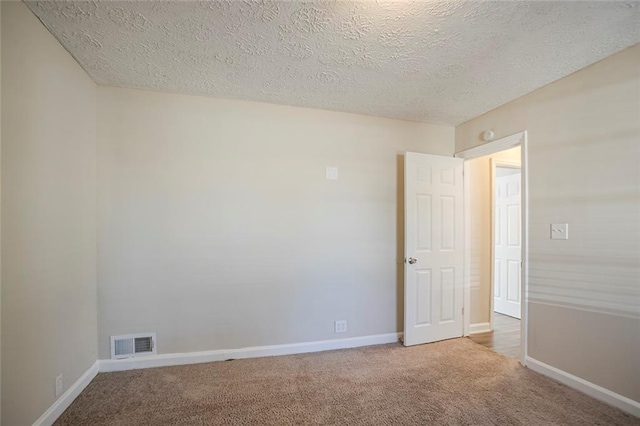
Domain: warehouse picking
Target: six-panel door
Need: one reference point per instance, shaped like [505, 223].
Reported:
[434, 238]
[508, 246]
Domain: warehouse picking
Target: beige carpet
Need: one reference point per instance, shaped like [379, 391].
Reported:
[455, 382]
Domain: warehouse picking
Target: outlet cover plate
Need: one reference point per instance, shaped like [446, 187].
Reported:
[59, 385]
[341, 326]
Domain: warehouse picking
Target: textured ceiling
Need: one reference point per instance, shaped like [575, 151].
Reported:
[435, 61]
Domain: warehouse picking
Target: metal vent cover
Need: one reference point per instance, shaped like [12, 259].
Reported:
[133, 345]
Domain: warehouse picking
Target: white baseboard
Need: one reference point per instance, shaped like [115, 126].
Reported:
[108, 365]
[62, 403]
[479, 327]
[164, 360]
[622, 402]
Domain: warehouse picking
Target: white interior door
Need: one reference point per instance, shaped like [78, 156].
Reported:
[433, 280]
[507, 249]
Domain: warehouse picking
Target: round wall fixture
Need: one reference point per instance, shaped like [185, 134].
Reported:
[488, 135]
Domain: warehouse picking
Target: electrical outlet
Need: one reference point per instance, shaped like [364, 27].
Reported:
[58, 385]
[341, 326]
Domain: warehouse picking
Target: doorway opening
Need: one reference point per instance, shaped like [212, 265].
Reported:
[495, 257]
[438, 240]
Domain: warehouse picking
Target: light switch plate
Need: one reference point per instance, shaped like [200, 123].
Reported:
[332, 173]
[559, 231]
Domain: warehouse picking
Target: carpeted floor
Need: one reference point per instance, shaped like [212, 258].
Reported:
[455, 382]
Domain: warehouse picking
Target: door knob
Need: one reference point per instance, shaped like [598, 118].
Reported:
[412, 260]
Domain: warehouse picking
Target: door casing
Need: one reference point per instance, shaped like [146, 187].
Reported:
[502, 144]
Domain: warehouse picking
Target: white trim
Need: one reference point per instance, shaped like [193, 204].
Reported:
[58, 407]
[488, 148]
[524, 291]
[164, 360]
[466, 285]
[492, 147]
[480, 327]
[598, 392]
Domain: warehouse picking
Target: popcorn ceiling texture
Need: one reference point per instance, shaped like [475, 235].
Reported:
[439, 62]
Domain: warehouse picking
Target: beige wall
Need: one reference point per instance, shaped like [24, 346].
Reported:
[584, 133]
[218, 228]
[48, 217]
[481, 241]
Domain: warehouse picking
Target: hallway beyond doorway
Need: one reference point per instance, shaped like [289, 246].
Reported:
[505, 337]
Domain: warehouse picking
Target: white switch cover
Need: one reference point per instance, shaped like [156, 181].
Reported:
[559, 231]
[332, 173]
[341, 326]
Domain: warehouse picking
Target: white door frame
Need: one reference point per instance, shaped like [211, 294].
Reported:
[495, 163]
[517, 139]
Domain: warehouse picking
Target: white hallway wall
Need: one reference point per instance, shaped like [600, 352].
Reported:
[49, 215]
[584, 140]
[219, 230]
